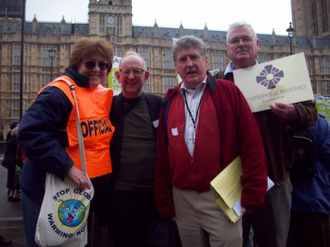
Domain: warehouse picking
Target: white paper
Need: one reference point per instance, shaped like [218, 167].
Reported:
[284, 80]
[238, 207]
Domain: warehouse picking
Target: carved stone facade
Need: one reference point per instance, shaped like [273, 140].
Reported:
[112, 20]
[311, 17]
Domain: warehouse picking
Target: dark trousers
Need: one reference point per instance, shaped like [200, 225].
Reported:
[271, 222]
[130, 215]
[309, 229]
[98, 213]
[248, 237]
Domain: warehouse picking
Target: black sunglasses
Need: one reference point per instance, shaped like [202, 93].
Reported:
[92, 64]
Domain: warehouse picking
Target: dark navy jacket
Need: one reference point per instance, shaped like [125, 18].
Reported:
[313, 195]
[43, 138]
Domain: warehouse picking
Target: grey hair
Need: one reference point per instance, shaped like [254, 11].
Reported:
[186, 42]
[133, 53]
[240, 24]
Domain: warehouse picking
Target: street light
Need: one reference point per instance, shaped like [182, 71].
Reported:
[51, 54]
[290, 31]
[22, 62]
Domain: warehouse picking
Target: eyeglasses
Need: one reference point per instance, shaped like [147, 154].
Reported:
[92, 64]
[245, 40]
[136, 72]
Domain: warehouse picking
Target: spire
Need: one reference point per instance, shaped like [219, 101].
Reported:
[181, 29]
[206, 32]
[63, 25]
[205, 28]
[34, 24]
[274, 37]
[155, 29]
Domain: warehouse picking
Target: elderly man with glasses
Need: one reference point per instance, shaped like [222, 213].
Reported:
[271, 221]
[135, 117]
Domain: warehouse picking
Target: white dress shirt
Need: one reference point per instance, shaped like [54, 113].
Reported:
[193, 97]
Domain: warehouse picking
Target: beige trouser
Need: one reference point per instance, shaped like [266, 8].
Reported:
[201, 223]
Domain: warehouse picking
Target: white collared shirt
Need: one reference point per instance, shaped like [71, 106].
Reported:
[193, 97]
[230, 67]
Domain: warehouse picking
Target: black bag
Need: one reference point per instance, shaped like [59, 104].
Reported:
[303, 167]
[164, 233]
[9, 161]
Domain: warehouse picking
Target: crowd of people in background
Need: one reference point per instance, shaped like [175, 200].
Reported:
[158, 156]
[13, 174]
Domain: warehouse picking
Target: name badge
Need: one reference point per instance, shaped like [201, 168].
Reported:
[155, 123]
[175, 132]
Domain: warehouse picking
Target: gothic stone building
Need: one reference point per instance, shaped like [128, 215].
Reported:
[112, 20]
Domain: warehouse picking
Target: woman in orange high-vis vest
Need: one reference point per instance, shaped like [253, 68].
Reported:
[48, 134]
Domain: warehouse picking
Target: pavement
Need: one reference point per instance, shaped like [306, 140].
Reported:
[11, 214]
[12, 225]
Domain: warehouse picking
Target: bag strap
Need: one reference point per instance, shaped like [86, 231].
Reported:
[79, 131]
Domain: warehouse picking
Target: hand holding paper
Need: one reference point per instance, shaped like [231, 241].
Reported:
[238, 207]
[227, 190]
[286, 112]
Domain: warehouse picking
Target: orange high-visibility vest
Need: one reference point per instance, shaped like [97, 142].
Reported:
[94, 107]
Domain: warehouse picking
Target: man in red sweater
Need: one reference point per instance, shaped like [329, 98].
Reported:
[207, 124]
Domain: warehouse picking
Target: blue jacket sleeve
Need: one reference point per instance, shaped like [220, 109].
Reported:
[321, 131]
[42, 132]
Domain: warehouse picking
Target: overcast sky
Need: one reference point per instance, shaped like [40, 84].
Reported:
[264, 15]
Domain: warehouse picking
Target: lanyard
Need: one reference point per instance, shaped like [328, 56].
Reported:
[192, 119]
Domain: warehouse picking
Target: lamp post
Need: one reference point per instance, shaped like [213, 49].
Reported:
[22, 62]
[290, 31]
[51, 53]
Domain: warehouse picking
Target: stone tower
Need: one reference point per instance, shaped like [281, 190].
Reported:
[110, 18]
[311, 17]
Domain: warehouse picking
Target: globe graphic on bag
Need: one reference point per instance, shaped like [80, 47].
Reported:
[71, 212]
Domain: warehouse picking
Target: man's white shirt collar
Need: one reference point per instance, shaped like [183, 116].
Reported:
[230, 67]
[183, 86]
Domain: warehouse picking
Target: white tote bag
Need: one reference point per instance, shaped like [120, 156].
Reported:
[63, 216]
[64, 211]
